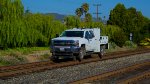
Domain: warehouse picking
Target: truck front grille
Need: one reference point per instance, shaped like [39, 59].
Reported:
[63, 53]
[65, 50]
[63, 43]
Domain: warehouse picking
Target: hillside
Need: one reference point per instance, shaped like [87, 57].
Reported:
[57, 16]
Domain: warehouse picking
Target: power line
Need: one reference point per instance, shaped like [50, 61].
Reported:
[97, 10]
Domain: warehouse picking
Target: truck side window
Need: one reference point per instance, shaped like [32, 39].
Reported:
[92, 34]
[87, 35]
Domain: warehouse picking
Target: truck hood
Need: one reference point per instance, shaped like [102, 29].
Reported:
[67, 38]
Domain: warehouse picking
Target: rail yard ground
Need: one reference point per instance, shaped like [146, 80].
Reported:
[72, 73]
[33, 54]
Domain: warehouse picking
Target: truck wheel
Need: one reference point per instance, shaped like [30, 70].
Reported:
[56, 60]
[74, 58]
[101, 53]
[81, 53]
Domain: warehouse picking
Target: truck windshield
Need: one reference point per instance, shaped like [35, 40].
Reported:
[72, 34]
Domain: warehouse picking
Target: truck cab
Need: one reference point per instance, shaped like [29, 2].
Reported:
[76, 43]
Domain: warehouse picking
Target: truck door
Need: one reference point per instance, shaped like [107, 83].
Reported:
[96, 43]
[90, 40]
[87, 36]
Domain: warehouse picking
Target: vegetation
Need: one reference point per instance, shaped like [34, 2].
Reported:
[84, 10]
[21, 51]
[145, 42]
[130, 21]
[25, 29]
[130, 44]
[23, 55]
[79, 12]
[19, 29]
[72, 21]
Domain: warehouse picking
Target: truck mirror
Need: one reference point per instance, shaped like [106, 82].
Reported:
[87, 37]
[100, 38]
[57, 35]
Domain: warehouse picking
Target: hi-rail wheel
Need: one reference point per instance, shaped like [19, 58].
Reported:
[102, 49]
[82, 53]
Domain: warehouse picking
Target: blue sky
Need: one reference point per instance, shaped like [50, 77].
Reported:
[68, 7]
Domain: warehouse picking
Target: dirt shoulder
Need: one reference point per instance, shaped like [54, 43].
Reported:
[14, 58]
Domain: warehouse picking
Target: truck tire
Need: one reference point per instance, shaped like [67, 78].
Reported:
[56, 60]
[82, 53]
[101, 53]
[74, 58]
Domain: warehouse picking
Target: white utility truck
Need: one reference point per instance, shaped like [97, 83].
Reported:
[78, 42]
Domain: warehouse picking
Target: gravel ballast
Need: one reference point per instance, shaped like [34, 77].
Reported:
[67, 74]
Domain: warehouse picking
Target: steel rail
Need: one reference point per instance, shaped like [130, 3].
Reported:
[134, 79]
[19, 66]
[10, 71]
[115, 72]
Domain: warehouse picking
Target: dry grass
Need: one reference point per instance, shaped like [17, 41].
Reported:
[23, 55]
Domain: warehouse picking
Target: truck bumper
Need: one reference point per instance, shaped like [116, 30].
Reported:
[64, 52]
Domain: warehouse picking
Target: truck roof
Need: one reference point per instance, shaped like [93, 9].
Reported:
[81, 29]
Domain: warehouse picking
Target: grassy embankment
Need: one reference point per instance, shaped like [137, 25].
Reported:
[23, 55]
[127, 46]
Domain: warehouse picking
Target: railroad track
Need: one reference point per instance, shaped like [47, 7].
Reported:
[126, 75]
[10, 71]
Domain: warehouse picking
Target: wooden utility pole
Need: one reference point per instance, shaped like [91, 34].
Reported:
[97, 11]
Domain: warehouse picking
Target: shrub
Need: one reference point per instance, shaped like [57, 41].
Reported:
[112, 45]
[130, 44]
[145, 42]
[119, 38]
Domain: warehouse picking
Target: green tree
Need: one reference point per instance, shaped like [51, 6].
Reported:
[85, 7]
[19, 29]
[119, 38]
[11, 26]
[79, 12]
[116, 16]
[72, 21]
[88, 17]
[129, 20]
[84, 10]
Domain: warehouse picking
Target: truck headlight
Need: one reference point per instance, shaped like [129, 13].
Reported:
[51, 45]
[76, 43]
[52, 42]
